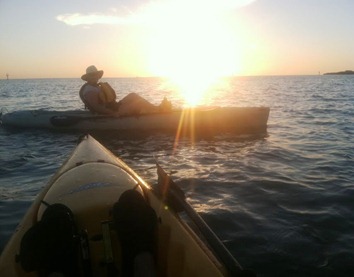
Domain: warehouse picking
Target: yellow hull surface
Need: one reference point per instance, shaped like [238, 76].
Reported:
[89, 183]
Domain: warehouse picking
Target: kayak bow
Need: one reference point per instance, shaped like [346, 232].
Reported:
[88, 185]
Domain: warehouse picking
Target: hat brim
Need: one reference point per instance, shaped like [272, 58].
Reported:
[98, 73]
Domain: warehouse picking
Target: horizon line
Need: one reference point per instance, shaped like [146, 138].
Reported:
[164, 77]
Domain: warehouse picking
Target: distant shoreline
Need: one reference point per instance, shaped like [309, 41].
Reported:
[346, 72]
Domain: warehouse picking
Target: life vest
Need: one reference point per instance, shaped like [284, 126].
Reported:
[107, 94]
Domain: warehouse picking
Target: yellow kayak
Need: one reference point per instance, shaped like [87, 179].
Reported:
[97, 217]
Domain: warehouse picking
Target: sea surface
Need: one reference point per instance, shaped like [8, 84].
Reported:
[282, 202]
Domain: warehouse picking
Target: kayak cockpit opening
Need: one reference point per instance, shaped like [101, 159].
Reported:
[51, 244]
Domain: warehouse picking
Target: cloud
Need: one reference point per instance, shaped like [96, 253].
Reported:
[242, 3]
[76, 19]
[144, 12]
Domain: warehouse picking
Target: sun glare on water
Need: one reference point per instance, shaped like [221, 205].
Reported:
[192, 45]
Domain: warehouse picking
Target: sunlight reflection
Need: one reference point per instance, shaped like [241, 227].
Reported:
[186, 125]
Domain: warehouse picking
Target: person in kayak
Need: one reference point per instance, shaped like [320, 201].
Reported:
[100, 98]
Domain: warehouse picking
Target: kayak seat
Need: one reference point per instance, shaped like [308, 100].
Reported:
[135, 223]
[51, 244]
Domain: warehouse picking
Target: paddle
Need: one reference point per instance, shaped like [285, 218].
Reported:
[70, 120]
[175, 197]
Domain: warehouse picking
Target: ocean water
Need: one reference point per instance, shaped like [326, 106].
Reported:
[281, 202]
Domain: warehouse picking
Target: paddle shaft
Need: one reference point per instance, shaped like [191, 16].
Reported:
[219, 248]
[70, 120]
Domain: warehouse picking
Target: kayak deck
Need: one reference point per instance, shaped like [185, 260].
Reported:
[90, 183]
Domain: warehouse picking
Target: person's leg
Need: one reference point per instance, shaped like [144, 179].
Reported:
[135, 104]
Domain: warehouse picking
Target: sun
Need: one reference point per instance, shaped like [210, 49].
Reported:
[192, 44]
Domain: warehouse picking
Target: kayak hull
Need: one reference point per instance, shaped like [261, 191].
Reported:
[89, 183]
[197, 121]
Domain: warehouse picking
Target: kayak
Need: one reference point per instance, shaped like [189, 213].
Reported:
[201, 121]
[82, 208]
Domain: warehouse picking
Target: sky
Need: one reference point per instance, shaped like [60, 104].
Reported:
[175, 38]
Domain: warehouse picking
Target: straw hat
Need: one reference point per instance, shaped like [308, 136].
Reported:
[92, 71]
